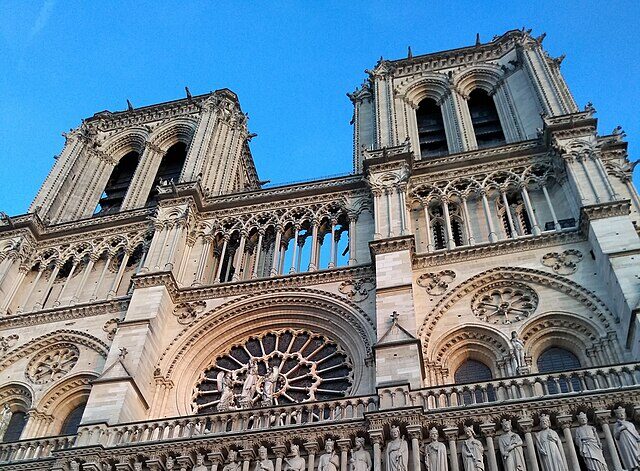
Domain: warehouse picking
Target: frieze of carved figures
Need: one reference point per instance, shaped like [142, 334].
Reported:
[510, 445]
[589, 446]
[232, 462]
[186, 313]
[52, 363]
[7, 342]
[504, 302]
[329, 460]
[111, 327]
[436, 283]
[396, 452]
[472, 451]
[435, 453]
[295, 462]
[563, 263]
[360, 459]
[550, 448]
[628, 440]
[357, 290]
[263, 463]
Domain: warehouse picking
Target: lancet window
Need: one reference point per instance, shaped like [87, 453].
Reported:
[118, 184]
[170, 168]
[433, 140]
[485, 119]
[446, 225]
[72, 421]
[513, 215]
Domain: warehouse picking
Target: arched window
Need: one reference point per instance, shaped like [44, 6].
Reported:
[433, 140]
[438, 231]
[518, 213]
[474, 371]
[72, 422]
[170, 168]
[118, 183]
[485, 120]
[557, 359]
[16, 426]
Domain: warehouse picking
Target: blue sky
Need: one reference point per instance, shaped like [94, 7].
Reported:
[291, 63]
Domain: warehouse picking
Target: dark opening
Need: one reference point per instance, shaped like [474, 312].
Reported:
[474, 371]
[558, 359]
[16, 426]
[485, 120]
[72, 422]
[118, 184]
[169, 170]
[433, 140]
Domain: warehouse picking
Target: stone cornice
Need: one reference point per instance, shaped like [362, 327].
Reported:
[249, 286]
[64, 313]
[473, 252]
[602, 211]
[394, 244]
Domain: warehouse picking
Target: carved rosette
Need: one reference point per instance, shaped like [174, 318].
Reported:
[52, 363]
[310, 367]
[357, 290]
[436, 283]
[563, 263]
[188, 312]
[504, 302]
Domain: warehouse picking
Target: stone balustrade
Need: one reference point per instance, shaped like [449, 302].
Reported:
[515, 388]
[38, 448]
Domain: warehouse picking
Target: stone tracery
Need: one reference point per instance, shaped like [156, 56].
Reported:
[53, 363]
[504, 303]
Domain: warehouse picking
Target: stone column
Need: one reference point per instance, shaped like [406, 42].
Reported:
[247, 455]
[31, 290]
[526, 424]
[467, 219]
[276, 251]
[256, 261]
[52, 277]
[294, 256]
[344, 444]
[280, 452]
[238, 261]
[603, 416]
[447, 223]
[206, 250]
[221, 260]
[390, 233]
[94, 295]
[162, 247]
[353, 218]
[376, 439]
[507, 211]
[565, 423]
[556, 223]
[334, 248]
[489, 430]
[93, 258]
[376, 212]
[415, 432]
[452, 435]
[493, 237]
[116, 282]
[312, 449]
[400, 189]
[74, 265]
[428, 227]
[216, 459]
[529, 208]
[313, 263]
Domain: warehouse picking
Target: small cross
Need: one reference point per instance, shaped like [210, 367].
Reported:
[123, 353]
[394, 316]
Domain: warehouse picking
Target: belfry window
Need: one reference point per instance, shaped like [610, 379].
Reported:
[485, 120]
[433, 140]
[169, 170]
[118, 184]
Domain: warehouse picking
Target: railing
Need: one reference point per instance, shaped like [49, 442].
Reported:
[38, 448]
[515, 388]
[221, 423]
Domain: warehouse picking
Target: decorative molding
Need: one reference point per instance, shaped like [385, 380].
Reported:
[52, 363]
[7, 342]
[436, 283]
[563, 263]
[504, 302]
[357, 289]
[395, 244]
[186, 313]
[111, 327]
[604, 210]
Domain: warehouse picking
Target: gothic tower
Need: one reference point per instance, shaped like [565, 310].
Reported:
[473, 282]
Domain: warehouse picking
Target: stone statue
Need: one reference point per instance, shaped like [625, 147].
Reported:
[233, 464]
[396, 452]
[200, 466]
[296, 462]
[360, 458]
[5, 418]
[510, 445]
[225, 386]
[518, 356]
[472, 451]
[263, 463]
[329, 461]
[550, 449]
[75, 466]
[589, 446]
[628, 440]
[435, 453]
[269, 385]
[249, 386]
[169, 463]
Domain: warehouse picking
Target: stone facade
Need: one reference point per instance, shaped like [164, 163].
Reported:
[474, 282]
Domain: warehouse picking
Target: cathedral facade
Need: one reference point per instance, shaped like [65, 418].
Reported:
[466, 299]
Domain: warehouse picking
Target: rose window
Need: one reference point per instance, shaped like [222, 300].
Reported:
[504, 303]
[53, 363]
[283, 367]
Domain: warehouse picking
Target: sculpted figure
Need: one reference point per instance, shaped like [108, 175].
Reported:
[329, 461]
[225, 385]
[396, 452]
[518, 351]
[169, 463]
[296, 462]
[75, 466]
[628, 440]
[5, 418]
[510, 445]
[269, 385]
[263, 463]
[589, 446]
[200, 466]
[472, 452]
[550, 447]
[360, 458]
[435, 453]
[233, 464]
[249, 386]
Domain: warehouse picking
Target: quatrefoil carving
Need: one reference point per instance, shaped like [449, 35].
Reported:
[436, 283]
[357, 290]
[188, 312]
[563, 263]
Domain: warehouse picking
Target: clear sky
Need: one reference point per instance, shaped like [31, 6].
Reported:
[291, 64]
